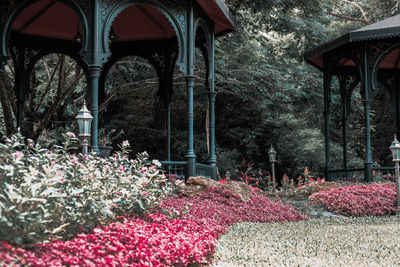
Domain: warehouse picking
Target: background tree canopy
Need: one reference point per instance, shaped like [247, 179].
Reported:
[266, 93]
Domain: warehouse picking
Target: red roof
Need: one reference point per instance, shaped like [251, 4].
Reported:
[49, 18]
[387, 28]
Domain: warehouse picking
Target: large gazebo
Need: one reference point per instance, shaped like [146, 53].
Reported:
[165, 32]
[369, 57]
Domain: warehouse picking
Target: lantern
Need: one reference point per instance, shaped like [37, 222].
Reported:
[395, 148]
[272, 154]
[84, 119]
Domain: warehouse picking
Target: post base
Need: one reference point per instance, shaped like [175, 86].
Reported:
[397, 211]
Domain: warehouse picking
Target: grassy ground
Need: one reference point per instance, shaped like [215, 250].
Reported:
[330, 241]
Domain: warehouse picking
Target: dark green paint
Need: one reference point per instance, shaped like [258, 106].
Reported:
[326, 118]
[213, 159]
[190, 155]
[367, 106]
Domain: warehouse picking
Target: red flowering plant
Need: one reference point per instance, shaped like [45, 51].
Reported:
[226, 209]
[358, 200]
[156, 241]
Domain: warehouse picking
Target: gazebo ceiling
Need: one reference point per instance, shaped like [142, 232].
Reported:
[388, 28]
[54, 19]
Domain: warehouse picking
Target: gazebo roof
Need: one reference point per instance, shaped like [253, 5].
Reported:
[387, 28]
[54, 19]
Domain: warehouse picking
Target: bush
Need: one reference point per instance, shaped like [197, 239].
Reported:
[356, 200]
[226, 209]
[156, 241]
[55, 194]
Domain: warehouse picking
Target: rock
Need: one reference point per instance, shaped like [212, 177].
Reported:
[196, 185]
[330, 214]
[238, 188]
[324, 186]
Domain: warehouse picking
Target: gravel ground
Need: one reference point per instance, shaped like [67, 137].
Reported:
[327, 241]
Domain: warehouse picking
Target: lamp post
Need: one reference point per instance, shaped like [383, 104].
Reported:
[395, 148]
[272, 159]
[228, 175]
[84, 119]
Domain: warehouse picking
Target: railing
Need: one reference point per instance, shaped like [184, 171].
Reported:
[380, 174]
[347, 175]
[174, 170]
[204, 170]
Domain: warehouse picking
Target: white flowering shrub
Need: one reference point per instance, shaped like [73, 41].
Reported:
[56, 194]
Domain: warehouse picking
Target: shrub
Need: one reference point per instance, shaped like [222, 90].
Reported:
[156, 241]
[356, 200]
[53, 193]
[227, 209]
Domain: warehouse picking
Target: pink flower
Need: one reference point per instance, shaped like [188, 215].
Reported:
[125, 143]
[31, 143]
[70, 134]
[144, 193]
[18, 155]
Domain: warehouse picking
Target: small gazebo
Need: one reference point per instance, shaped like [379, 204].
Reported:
[165, 32]
[369, 57]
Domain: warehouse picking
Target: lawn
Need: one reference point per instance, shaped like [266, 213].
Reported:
[330, 241]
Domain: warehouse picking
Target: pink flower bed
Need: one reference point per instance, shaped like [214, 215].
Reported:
[156, 241]
[355, 200]
[227, 209]
[133, 242]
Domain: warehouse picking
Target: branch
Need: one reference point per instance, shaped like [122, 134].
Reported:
[117, 91]
[347, 18]
[46, 67]
[47, 88]
[360, 8]
[56, 106]
[61, 73]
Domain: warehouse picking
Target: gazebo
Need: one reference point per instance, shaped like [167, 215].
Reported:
[165, 32]
[369, 57]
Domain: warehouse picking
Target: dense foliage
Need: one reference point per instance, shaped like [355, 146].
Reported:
[131, 242]
[356, 200]
[56, 194]
[227, 209]
[266, 93]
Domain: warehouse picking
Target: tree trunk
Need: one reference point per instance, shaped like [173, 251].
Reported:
[5, 104]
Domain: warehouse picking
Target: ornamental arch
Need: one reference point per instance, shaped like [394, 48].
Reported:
[12, 10]
[84, 31]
